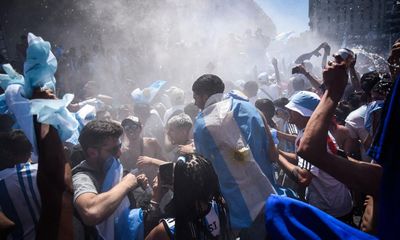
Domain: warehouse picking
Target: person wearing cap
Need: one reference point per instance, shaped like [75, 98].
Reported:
[140, 152]
[323, 191]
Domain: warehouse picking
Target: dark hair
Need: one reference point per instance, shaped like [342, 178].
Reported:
[281, 102]
[13, 144]
[368, 81]
[342, 111]
[208, 84]
[96, 132]
[192, 110]
[195, 182]
[267, 107]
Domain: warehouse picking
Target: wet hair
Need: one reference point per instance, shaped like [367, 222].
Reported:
[382, 87]
[208, 84]
[195, 182]
[96, 132]
[368, 81]
[12, 145]
[181, 121]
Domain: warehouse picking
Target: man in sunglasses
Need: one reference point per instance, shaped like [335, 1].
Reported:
[140, 152]
[93, 200]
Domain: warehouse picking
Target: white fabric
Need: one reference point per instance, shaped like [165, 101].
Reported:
[271, 92]
[355, 123]
[325, 192]
[227, 136]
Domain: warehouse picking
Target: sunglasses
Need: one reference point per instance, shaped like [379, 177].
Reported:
[132, 127]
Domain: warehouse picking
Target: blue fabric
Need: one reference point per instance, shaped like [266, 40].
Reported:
[40, 66]
[306, 99]
[9, 210]
[286, 218]
[129, 225]
[385, 150]
[252, 130]
[206, 146]
[3, 104]
[371, 108]
[23, 190]
[55, 113]
[19, 107]
[146, 95]
[11, 77]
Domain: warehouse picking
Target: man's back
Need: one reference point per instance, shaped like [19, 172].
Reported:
[231, 134]
[20, 199]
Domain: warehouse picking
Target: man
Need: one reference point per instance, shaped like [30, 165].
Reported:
[323, 191]
[178, 133]
[233, 136]
[93, 199]
[140, 152]
[20, 199]
[250, 89]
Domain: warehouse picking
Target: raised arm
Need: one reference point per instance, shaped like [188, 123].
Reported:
[307, 56]
[276, 69]
[357, 175]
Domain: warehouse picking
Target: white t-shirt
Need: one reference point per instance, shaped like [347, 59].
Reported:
[355, 123]
[324, 191]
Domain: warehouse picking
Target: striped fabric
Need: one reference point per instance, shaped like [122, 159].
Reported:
[20, 199]
[231, 134]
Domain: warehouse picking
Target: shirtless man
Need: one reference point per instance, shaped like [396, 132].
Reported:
[140, 151]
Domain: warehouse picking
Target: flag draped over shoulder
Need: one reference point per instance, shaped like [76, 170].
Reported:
[124, 223]
[230, 133]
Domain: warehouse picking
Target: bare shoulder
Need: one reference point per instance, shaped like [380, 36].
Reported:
[158, 233]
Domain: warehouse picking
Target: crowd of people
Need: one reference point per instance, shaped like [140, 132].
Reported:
[309, 157]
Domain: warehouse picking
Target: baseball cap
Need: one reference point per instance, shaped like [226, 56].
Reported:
[130, 120]
[303, 102]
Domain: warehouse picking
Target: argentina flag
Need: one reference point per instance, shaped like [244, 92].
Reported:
[231, 134]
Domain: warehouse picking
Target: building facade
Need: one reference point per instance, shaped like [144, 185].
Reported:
[374, 24]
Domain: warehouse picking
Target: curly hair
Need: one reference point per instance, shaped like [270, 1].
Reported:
[195, 186]
[208, 84]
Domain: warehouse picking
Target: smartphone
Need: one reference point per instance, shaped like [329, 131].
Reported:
[166, 172]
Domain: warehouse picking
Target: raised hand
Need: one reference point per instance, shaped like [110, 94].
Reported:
[335, 79]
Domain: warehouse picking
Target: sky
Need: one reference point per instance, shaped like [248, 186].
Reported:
[288, 15]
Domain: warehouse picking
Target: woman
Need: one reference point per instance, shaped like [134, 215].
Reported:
[199, 214]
